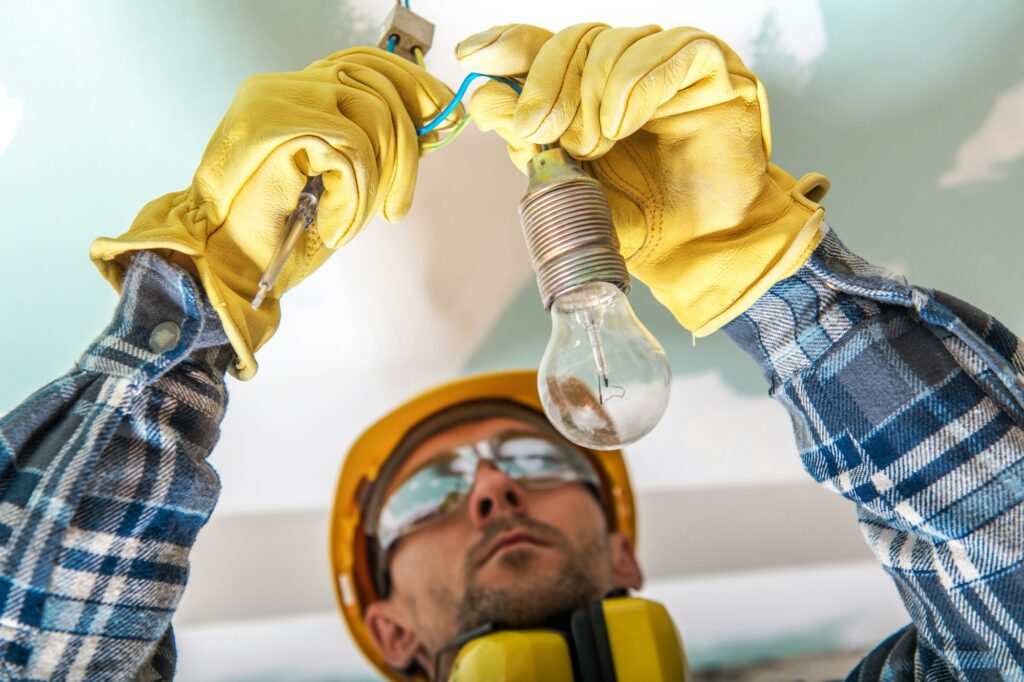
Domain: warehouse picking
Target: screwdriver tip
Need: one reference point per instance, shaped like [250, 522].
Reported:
[257, 300]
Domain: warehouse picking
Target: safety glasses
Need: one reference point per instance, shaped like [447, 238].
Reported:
[440, 486]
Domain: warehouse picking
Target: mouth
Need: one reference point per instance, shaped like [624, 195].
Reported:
[508, 540]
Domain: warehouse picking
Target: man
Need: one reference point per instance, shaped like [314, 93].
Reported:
[481, 513]
[905, 401]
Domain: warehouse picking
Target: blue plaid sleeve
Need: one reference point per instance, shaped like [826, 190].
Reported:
[910, 404]
[104, 485]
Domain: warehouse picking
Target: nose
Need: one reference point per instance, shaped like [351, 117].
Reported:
[494, 494]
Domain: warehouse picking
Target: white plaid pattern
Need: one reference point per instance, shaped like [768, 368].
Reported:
[909, 403]
[103, 488]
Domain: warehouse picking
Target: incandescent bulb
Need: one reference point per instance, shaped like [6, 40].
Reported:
[604, 380]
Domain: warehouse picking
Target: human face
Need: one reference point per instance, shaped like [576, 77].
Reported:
[507, 553]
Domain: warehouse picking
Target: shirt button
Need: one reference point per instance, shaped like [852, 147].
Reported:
[164, 337]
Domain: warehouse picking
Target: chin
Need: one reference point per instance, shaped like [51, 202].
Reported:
[525, 586]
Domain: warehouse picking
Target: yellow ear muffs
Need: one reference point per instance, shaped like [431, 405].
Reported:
[514, 656]
[617, 639]
[644, 643]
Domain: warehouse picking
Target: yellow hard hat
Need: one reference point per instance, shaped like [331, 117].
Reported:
[350, 549]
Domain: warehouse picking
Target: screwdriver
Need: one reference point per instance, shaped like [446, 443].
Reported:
[297, 222]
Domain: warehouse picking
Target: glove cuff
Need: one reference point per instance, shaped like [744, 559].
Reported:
[792, 259]
[160, 227]
[713, 283]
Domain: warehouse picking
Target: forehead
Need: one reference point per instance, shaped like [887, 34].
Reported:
[453, 437]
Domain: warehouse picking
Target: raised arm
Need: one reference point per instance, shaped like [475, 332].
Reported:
[105, 485]
[907, 402]
[104, 479]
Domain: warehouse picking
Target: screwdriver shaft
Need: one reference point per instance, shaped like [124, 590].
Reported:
[298, 221]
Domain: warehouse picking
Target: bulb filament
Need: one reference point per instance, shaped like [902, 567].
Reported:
[605, 390]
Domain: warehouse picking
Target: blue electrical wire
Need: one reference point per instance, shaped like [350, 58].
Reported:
[446, 112]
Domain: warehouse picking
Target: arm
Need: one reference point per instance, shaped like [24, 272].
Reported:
[905, 401]
[105, 485]
[909, 403]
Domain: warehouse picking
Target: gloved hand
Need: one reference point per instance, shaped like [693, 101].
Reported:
[351, 118]
[676, 129]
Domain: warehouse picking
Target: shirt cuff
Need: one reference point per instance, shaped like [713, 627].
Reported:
[803, 316]
[163, 320]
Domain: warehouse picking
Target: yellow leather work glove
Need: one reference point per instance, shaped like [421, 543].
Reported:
[676, 129]
[351, 118]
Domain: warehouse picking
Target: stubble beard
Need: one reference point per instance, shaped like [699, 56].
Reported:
[531, 599]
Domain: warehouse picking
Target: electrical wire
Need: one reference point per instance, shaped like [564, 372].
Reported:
[447, 111]
[431, 146]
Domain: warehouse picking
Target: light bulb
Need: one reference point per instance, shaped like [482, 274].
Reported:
[604, 380]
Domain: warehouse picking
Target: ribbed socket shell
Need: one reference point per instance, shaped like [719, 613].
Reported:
[568, 228]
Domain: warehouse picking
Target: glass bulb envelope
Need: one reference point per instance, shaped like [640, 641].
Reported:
[604, 379]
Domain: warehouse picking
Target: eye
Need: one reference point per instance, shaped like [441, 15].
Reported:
[450, 502]
[532, 460]
[527, 447]
[444, 465]
[430, 493]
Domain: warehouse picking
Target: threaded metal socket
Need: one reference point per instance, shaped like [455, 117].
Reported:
[568, 228]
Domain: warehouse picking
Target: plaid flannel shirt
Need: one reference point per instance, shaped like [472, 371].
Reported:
[910, 403]
[104, 485]
[905, 401]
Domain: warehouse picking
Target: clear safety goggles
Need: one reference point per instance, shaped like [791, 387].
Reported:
[438, 488]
